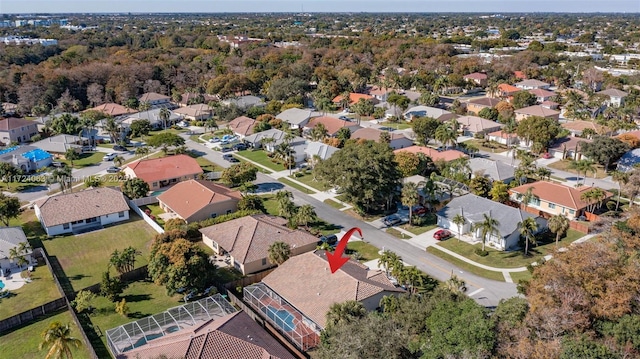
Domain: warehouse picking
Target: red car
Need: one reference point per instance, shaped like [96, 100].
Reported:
[419, 210]
[546, 155]
[442, 234]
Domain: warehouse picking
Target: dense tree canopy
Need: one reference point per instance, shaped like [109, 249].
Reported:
[604, 150]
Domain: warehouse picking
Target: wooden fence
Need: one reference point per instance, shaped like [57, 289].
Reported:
[248, 280]
[580, 227]
[33, 314]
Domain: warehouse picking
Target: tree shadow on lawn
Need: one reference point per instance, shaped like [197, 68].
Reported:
[324, 226]
[131, 298]
[78, 277]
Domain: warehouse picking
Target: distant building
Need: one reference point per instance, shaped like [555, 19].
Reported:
[26, 158]
[17, 130]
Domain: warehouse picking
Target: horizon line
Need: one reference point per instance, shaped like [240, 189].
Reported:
[319, 12]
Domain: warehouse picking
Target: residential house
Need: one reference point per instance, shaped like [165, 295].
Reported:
[246, 240]
[379, 93]
[577, 128]
[272, 138]
[427, 111]
[319, 149]
[629, 160]
[295, 117]
[11, 238]
[507, 91]
[81, 211]
[520, 75]
[305, 287]
[494, 170]
[155, 99]
[199, 112]
[197, 200]
[17, 130]
[568, 147]
[332, 124]
[9, 108]
[164, 171]
[550, 105]
[536, 110]
[242, 126]
[435, 155]
[26, 158]
[113, 109]
[60, 144]
[504, 138]
[354, 98]
[476, 78]
[554, 198]
[472, 125]
[153, 116]
[474, 208]
[477, 105]
[191, 98]
[532, 84]
[245, 102]
[616, 97]
[542, 95]
[397, 140]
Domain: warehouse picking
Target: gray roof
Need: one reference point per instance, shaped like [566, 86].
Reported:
[152, 115]
[496, 170]
[59, 143]
[422, 111]
[628, 160]
[294, 116]
[320, 149]
[10, 237]
[272, 133]
[473, 207]
[245, 101]
[76, 206]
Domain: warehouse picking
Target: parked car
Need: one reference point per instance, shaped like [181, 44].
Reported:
[113, 169]
[214, 140]
[119, 148]
[419, 210]
[230, 158]
[391, 220]
[442, 234]
[331, 240]
[546, 155]
[58, 164]
[109, 156]
[239, 147]
[226, 149]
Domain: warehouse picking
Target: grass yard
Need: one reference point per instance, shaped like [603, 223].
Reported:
[563, 165]
[152, 154]
[41, 290]
[24, 342]
[400, 125]
[333, 203]
[208, 166]
[487, 146]
[270, 204]
[497, 276]
[366, 217]
[513, 259]
[518, 276]
[324, 228]
[308, 180]
[367, 251]
[428, 224]
[86, 159]
[22, 186]
[396, 233]
[261, 158]
[156, 211]
[84, 257]
[300, 188]
[196, 138]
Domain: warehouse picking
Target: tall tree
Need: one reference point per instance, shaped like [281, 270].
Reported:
[9, 208]
[604, 150]
[340, 313]
[71, 155]
[488, 227]
[389, 260]
[558, 224]
[410, 197]
[425, 129]
[620, 178]
[446, 134]
[57, 337]
[279, 252]
[528, 228]
[135, 188]
[164, 115]
[165, 140]
[306, 214]
[499, 192]
[539, 131]
[459, 221]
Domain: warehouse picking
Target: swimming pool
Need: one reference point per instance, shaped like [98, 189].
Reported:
[281, 317]
[1, 285]
[36, 155]
[7, 150]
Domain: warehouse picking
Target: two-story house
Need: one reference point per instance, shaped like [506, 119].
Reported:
[17, 130]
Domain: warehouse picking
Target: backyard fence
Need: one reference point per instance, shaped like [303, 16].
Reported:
[580, 227]
[144, 216]
[33, 314]
[248, 280]
[145, 200]
[131, 276]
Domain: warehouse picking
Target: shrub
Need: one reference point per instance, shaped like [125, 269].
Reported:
[170, 236]
[147, 212]
[174, 223]
[480, 252]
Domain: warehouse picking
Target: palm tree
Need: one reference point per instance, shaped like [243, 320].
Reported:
[345, 312]
[412, 278]
[388, 260]
[528, 227]
[142, 151]
[57, 337]
[543, 173]
[113, 129]
[286, 208]
[345, 100]
[558, 224]
[279, 252]
[456, 285]
[446, 134]
[410, 197]
[620, 178]
[319, 132]
[306, 214]
[528, 197]
[164, 114]
[489, 226]
[459, 221]
[118, 161]
[62, 176]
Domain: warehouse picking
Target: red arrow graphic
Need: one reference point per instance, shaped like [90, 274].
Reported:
[336, 260]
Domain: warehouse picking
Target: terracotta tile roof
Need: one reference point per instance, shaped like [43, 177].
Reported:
[112, 109]
[188, 197]
[486, 101]
[158, 169]
[476, 76]
[306, 282]
[537, 110]
[520, 75]
[242, 125]
[194, 110]
[502, 134]
[76, 206]
[635, 134]
[558, 194]
[542, 93]
[332, 124]
[248, 238]
[12, 123]
[233, 336]
[508, 89]
[153, 96]
[353, 98]
[373, 134]
[379, 91]
[447, 155]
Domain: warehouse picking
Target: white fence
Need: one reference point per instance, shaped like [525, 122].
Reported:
[145, 200]
[144, 216]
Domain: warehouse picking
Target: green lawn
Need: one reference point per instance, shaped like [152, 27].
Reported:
[400, 125]
[270, 204]
[497, 276]
[41, 290]
[308, 180]
[151, 155]
[261, 158]
[563, 165]
[22, 186]
[396, 233]
[518, 276]
[333, 203]
[196, 138]
[85, 257]
[367, 251]
[86, 159]
[208, 166]
[428, 224]
[487, 146]
[155, 211]
[24, 342]
[512, 259]
[300, 188]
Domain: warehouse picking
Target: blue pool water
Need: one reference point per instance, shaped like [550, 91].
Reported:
[36, 155]
[142, 341]
[7, 150]
[281, 317]
[1, 285]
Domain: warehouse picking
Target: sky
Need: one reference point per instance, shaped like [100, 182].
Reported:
[253, 6]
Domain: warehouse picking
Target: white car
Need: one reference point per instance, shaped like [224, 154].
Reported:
[109, 156]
